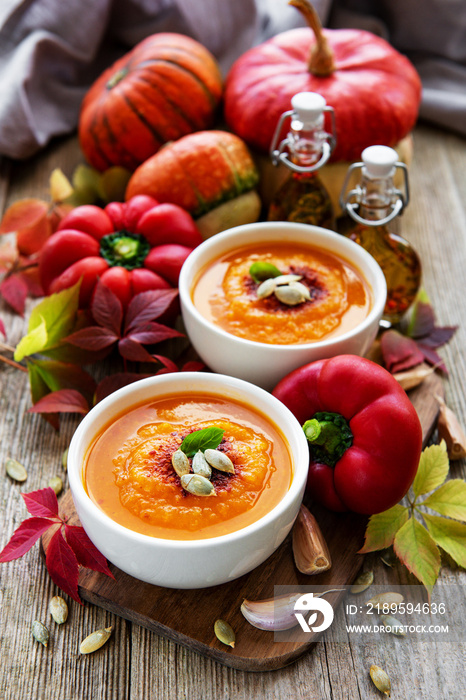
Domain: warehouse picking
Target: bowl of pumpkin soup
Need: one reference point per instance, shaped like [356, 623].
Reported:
[188, 480]
[263, 299]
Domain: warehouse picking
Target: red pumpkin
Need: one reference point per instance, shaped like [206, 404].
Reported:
[374, 90]
[169, 85]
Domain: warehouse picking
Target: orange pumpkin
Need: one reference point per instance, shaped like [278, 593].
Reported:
[169, 85]
[203, 172]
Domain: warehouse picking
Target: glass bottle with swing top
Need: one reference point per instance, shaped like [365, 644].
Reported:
[302, 197]
[368, 209]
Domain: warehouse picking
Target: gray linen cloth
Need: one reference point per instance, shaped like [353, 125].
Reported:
[52, 50]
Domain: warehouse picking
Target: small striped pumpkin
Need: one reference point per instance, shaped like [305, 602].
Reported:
[169, 85]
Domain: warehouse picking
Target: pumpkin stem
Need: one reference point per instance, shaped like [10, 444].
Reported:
[321, 60]
[116, 77]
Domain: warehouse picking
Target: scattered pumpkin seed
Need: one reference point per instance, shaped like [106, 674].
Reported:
[380, 679]
[64, 460]
[393, 625]
[201, 466]
[362, 582]
[224, 632]
[40, 632]
[58, 609]
[390, 598]
[56, 484]
[180, 463]
[15, 470]
[219, 460]
[197, 485]
[95, 640]
[388, 557]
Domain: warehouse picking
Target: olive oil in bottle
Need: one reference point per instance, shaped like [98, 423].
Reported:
[369, 208]
[302, 197]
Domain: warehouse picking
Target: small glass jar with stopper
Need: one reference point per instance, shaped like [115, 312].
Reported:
[368, 209]
[302, 197]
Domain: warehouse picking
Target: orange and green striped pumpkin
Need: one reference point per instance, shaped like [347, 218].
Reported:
[169, 85]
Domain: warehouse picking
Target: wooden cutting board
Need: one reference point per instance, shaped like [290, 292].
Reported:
[188, 617]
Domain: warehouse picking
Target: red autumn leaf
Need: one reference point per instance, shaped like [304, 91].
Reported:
[116, 381]
[2, 328]
[169, 365]
[147, 306]
[61, 401]
[107, 309]
[86, 552]
[22, 214]
[62, 565]
[131, 350]
[399, 352]
[14, 290]
[438, 336]
[420, 320]
[42, 503]
[192, 366]
[432, 357]
[92, 338]
[24, 537]
[152, 333]
[28, 218]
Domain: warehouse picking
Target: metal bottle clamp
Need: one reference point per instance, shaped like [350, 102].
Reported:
[396, 208]
[281, 155]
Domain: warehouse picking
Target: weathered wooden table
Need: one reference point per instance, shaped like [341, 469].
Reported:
[136, 663]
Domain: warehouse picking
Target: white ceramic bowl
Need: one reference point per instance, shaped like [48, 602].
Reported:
[261, 363]
[188, 563]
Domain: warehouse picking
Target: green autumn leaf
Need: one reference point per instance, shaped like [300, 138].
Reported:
[63, 375]
[449, 499]
[383, 527]
[433, 469]
[50, 321]
[33, 342]
[449, 535]
[416, 549]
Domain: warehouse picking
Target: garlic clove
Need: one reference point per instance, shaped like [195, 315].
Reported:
[271, 614]
[450, 430]
[310, 550]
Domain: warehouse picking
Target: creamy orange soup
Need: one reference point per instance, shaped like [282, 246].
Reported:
[128, 471]
[226, 294]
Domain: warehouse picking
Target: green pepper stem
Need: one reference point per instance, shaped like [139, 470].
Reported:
[125, 249]
[330, 436]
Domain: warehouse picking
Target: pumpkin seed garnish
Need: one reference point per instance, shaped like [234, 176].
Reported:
[286, 279]
[266, 289]
[289, 295]
[58, 609]
[393, 625]
[201, 466]
[40, 632]
[197, 485]
[56, 484]
[380, 679]
[362, 582]
[224, 632]
[219, 460]
[180, 463]
[15, 470]
[95, 640]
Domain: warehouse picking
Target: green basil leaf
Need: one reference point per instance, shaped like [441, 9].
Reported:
[261, 271]
[204, 439]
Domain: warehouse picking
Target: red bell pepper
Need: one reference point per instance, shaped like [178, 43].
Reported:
[364, 433]
[132, 247]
